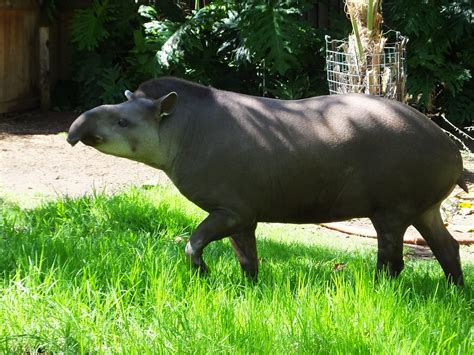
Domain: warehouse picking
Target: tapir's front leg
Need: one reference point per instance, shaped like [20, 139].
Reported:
[217, 225]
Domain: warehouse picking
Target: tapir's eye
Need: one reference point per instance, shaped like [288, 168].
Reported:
[122, 122]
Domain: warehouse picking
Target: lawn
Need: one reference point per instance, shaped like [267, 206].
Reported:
[108, 275]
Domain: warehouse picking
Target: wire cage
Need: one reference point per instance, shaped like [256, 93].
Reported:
[380, 73]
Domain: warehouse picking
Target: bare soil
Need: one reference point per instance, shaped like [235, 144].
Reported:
[36, 162]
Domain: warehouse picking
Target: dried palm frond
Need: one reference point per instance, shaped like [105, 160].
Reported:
[367, 42]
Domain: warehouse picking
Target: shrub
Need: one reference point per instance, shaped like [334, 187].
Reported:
[102, 35]
[440, 55]
[252, 47]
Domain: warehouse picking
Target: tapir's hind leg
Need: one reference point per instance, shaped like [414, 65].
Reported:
[245, 246]
[390, 231]
[443, 245]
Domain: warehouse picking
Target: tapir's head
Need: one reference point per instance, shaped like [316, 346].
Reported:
[128, 130]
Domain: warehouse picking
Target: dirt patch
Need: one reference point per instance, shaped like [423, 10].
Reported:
[36, 161]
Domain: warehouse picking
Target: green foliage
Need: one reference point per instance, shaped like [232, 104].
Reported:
[274, 33]
[113, 83]
[261, 48]
[440, 57]
[103, 38]
[89, 28]
[107, 274]
[192, 49]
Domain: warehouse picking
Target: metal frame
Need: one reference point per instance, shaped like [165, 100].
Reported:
[347, 73]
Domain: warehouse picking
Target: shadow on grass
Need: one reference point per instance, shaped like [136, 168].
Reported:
[321, 265]
[73, 233]
[108, 236]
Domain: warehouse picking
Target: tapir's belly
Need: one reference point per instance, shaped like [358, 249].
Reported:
[313, 198]
[339, 184]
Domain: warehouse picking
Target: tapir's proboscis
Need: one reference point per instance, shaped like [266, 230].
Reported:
[246, 159]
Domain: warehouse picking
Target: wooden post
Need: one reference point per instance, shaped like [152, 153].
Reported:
[45, 79]
[19, 55]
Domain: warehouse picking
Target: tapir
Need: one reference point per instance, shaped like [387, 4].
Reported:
[246, 159]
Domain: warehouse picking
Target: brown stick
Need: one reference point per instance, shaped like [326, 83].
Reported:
[370, 233]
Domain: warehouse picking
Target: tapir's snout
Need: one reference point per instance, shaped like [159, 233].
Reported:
[78, 129]
[72, 141]
[83, 129]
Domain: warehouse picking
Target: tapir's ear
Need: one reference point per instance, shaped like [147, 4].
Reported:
[167, 104]
[129, 95]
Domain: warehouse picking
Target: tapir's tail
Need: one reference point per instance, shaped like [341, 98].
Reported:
[462, 184]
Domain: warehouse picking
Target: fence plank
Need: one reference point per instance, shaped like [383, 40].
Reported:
[18, 54]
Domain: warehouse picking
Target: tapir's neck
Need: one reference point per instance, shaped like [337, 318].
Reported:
[174, 137]
[180, 134]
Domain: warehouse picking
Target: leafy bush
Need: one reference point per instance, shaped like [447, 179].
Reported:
[261, 48]
[103, 38]
[440, 54]
[89, 25]
[252, 47]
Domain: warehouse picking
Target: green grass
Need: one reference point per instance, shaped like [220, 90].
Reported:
[108, 275]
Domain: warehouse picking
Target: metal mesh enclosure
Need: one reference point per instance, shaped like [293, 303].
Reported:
[380, 74]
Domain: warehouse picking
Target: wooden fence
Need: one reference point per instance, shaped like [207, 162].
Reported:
[33, 53]
[19, 71]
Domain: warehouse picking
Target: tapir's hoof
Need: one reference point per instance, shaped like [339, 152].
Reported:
[196, 259]
[201, 269]
[457, 280]
[251, 277]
